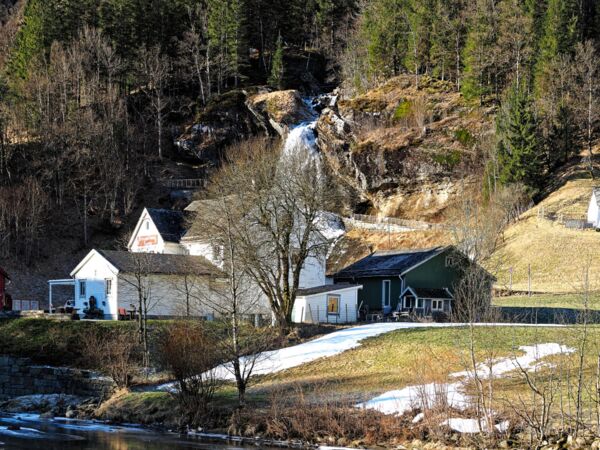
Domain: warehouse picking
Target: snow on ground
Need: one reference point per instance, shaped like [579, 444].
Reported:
[326, 346]
[420, 396]
[471, 426]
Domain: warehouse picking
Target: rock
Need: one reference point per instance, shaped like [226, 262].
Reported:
[595, 445]
[279, 110]
[504, 444]
[225, 120]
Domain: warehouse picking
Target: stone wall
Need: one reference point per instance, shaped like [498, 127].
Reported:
[18, 376]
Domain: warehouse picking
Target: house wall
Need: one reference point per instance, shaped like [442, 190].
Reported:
[313, 308]
[371, 294]
[592, 214]
[168, 294]
[207, 250]
[95, 272]
[434, 273]
[313, 272]
[147, 239]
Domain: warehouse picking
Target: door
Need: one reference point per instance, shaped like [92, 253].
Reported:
[386, 294]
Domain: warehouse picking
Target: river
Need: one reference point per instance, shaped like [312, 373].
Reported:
[29, 431]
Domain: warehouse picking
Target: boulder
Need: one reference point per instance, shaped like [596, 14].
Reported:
[279, 110]
[225, 120]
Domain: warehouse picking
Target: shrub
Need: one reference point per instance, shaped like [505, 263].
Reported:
[190, 351]
[463, 136]
[448, 159]
[402, 111]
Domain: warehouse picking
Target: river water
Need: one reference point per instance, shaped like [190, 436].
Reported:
[29, 431]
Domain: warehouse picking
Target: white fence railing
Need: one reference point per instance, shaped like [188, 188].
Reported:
[391, 223]
[185, 183]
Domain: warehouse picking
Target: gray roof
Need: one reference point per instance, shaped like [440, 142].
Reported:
[431, 293]
[325, 288]
[388, 263]
[156, 263]
[170, 223]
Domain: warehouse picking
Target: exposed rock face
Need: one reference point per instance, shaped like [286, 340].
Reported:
[409, 152]
[225, 119]
[279, 110]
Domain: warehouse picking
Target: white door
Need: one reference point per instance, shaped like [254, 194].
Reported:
[386, 294]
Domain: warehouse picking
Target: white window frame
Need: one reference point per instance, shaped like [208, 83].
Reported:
[435, 301]
[389, 293]
[82, 292]
[420, 304]
[108, 286]
[339, 301]
[405, 301]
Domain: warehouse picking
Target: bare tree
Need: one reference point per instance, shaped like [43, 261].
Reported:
[154, 68]
[189, 350]
[274, 203]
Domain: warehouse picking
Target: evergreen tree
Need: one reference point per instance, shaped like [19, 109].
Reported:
[559, 36]
[519, 149]
[276, 77]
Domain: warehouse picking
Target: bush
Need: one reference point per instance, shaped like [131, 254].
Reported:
[190, 351]
[463, 136]
[402, 111]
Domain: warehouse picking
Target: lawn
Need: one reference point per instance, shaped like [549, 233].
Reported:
[404, 357]
[574, 301]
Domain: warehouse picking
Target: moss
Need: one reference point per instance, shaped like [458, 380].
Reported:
[402, 111]
[365, 104]
[463, 136]
[449, 159]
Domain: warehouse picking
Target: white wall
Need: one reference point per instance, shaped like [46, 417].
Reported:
[146, 238]
[95, 272]
[313, 272]
[207, 250]
[592, 215]
[313, 308]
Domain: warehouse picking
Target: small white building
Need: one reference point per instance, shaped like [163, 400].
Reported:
[174, 285]
[158, 231]
[593, 213]
[332, 303]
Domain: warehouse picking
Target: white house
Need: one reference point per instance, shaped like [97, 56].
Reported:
[313, 273]
[158, 231]
[333, 303]
[172, 284]
[593, 213]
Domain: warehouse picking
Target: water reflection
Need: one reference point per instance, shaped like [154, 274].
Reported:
[29, 431]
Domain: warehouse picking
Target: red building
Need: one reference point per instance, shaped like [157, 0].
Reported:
[4, 297]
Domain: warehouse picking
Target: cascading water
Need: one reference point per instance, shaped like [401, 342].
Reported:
[301, 141]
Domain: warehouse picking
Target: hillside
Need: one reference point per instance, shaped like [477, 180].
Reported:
[558, 256]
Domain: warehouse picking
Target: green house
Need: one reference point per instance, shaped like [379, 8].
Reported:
[418, 281]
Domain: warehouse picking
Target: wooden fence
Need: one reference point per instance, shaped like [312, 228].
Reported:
[572, 221]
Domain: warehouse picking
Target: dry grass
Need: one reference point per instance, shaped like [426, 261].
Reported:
[557, 255]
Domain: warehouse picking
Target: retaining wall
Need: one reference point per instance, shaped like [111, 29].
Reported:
[18, 376]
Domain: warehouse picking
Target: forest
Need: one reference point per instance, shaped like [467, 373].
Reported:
[90, 91]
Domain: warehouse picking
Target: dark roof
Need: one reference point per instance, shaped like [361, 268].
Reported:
[325, 288]
[388, 263]
[431, 293]
[157, 263]
[170, 223]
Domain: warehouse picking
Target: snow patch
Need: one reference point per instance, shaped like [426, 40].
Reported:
[472, 426]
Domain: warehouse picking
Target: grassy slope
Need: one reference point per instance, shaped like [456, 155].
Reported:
[557, 255]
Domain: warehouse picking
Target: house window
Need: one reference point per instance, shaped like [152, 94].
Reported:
[108, 286]
[82, 286]
[437, 305]
[147, 224]
[419, 303]
[333, 304]
[385, 292]
[409, 301]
